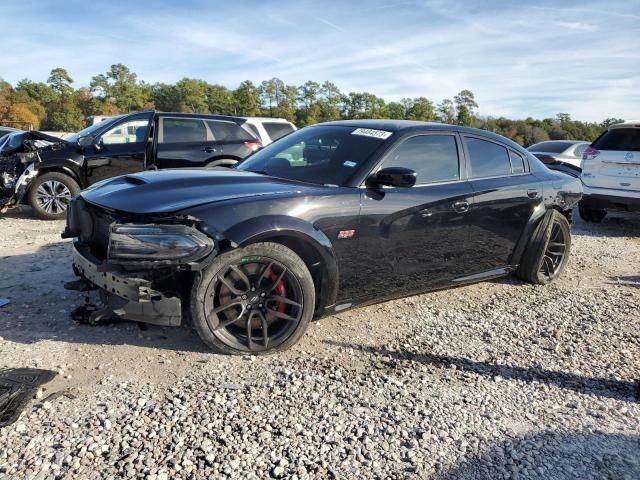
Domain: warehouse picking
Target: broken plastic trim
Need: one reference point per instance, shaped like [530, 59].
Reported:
[17, 388]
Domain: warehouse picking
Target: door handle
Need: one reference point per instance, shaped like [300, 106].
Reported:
[426, 213]
[461, 206]
[208, 149]
[532, 193]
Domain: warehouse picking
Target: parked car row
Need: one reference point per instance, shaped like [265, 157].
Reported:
[46, 171]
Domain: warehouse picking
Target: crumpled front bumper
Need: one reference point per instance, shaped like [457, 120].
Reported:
[126, 296]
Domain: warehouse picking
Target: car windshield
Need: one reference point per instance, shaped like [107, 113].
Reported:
[89, 130]
[323, 154]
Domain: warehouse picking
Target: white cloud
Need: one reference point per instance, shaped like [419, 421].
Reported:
[519, 61]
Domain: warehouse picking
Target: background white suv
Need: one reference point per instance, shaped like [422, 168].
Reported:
[269, 129]
[611, 172]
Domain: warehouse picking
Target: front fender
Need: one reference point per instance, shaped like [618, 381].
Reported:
[267, 227]
[541, 213]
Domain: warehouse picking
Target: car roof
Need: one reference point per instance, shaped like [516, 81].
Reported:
[408, 125]
[199, 115]
[267, 119]
[627, 124]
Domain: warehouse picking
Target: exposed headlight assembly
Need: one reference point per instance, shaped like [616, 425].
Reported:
[161, 243]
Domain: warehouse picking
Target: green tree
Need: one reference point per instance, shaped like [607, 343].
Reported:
[465, 103]
[121, 85]
[246, 100]
[396, 110]
[447, 111]
[60, 82]
[421, 109]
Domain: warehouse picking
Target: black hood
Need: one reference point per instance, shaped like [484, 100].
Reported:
[167, 191]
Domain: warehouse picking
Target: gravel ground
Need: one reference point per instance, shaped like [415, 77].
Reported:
[495, 380]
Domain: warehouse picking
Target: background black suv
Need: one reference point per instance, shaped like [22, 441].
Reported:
[121, 145]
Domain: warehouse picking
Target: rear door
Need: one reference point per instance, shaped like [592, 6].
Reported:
[119, 150]
[617, 165]
[183, 142]
[504, 196]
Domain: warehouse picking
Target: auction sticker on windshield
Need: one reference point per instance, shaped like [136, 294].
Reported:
[370, 132]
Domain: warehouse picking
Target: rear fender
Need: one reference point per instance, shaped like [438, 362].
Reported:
[540, 214]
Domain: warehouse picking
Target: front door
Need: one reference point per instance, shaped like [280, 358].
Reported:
[118, 151]
[412, 239]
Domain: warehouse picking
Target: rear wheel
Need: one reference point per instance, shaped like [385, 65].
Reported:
[591, 214]
[253, 300]
[548, 251]
[50, 194]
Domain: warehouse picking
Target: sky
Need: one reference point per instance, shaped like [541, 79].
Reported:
[520, 58]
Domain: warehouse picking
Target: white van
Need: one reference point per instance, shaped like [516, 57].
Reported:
[611, 172]
[269, 129]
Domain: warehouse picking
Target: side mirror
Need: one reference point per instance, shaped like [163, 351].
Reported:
[85, 141]
[394, 177]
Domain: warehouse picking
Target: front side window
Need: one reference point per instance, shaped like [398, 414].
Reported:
[487, 159]
[182, 130]
[434, 158]
[133, 131]
[324, 154]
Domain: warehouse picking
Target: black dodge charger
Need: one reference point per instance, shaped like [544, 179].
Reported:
[332, 216]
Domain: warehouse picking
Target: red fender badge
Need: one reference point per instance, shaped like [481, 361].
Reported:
[346, 234]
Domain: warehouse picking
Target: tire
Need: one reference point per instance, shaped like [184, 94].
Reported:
[43, 189]
[222, 162]
[591, 214]
[543, 250]
[223, 302]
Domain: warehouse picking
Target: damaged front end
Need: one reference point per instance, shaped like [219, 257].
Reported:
[141, 267]
[19, 162]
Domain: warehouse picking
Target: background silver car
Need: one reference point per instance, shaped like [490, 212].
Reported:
[553, 152]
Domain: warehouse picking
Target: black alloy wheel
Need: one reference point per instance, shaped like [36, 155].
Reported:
[548, 250]
[254, 303]
[555, 252]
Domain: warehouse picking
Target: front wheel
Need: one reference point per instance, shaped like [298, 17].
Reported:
[548, 251]
[50, 194]
[253, 300]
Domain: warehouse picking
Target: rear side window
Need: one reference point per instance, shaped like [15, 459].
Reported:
[517, 162]
[252, 128]
[228, 132]
[488, 159]
[620, 139]
[277, 130]
[434, 158]
[579, 150]
[179, 130]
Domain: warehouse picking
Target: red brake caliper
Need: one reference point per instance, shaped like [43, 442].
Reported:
[281, 290]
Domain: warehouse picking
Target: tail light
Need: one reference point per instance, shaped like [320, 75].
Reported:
[253, 145]
[590, 153]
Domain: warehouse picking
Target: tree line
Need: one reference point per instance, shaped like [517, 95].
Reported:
[56, 105]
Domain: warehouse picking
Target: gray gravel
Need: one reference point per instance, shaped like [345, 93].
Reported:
[495, 380]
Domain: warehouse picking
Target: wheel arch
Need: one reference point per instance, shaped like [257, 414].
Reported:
[541, 213]
[60, 169]
[309, 243]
